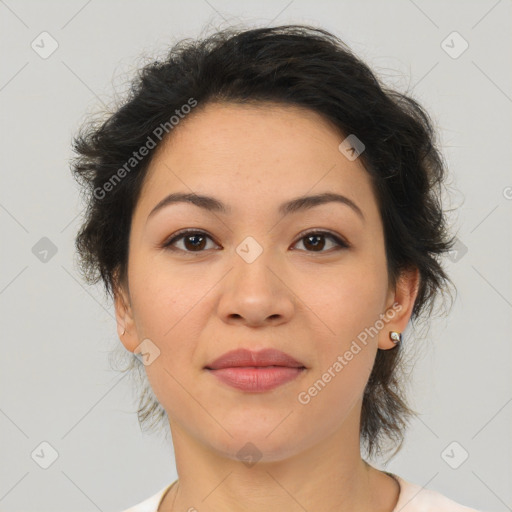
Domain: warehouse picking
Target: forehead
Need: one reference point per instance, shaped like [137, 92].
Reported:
[253, 153]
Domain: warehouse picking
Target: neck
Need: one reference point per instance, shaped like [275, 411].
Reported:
[330, 475]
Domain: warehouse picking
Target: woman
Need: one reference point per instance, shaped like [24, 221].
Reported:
[266, 216]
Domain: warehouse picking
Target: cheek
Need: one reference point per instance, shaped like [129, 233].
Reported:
[350, 302]
[162, 295]
[169, 309]
[345, 353]
[351, 297]
[334, 389]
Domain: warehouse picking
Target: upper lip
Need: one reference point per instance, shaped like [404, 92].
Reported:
[243, 357]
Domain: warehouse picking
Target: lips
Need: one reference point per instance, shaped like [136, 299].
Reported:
[250, 359]
[255, 372]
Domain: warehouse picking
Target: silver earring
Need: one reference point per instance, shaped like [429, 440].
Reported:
[396, 337]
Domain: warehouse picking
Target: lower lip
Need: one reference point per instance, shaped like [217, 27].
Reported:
[256, 379]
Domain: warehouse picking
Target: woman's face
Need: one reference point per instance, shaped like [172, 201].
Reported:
[251, 277]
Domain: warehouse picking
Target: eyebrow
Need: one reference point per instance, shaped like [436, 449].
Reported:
[295, 205]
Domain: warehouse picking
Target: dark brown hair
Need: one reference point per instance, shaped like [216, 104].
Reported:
[292, 65]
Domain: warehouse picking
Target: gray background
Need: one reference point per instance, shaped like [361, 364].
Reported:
[56, 382]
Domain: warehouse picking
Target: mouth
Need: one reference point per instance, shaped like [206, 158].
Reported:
[251, 371]
[257, 378]
[249, 358]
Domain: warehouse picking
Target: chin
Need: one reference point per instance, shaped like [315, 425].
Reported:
[260, 443]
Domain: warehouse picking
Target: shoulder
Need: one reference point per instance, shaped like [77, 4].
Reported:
[152, 503]
[414, 498]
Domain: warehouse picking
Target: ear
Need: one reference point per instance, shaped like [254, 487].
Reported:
[400, 304]
[124, 317]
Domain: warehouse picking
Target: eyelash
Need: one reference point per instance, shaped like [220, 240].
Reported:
[342, 244]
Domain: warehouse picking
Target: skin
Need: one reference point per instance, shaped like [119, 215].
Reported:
[195, 306]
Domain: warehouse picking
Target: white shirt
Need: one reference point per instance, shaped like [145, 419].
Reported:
[412, 498]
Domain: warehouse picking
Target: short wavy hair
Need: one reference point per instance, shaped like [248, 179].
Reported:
[297, 65]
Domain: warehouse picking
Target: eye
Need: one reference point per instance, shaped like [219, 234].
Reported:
[194, 241]
[316, 241]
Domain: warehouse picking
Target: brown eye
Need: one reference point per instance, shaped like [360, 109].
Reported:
[315, 241]
[193, 241]
[197, 241]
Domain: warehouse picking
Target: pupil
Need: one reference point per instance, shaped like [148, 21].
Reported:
[317, 244]
[196, 244]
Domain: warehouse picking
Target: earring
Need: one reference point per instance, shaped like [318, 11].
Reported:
[396, 337]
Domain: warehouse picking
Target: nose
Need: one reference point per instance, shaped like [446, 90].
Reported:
[256, 293]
